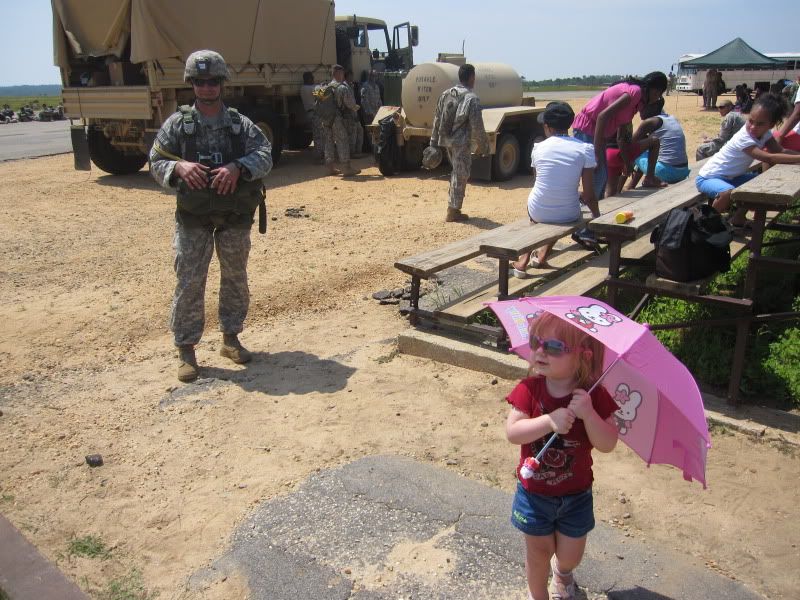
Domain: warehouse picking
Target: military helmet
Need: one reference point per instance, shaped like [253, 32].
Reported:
[205, 63]
[431, 157]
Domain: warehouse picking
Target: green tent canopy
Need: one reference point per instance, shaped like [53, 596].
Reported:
[734, 54]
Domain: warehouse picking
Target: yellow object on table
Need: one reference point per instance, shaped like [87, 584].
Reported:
[623, 216]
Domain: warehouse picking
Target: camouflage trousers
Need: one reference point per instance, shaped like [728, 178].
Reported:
[194, 247]
[337, 141]
[356, 133]
[707, 149]
[461, 162]
[316, 131]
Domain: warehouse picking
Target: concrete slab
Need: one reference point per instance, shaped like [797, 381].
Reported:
[27, 575]
[388, 527]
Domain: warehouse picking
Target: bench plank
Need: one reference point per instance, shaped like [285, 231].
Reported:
[427, 263]
[469, 305]
[648, 212]
[515, 242]
[777, 187]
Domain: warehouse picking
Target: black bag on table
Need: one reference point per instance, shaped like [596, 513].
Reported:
[692, 243]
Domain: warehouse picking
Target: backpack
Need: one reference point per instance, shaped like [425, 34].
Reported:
[326, 104]
[692, 243]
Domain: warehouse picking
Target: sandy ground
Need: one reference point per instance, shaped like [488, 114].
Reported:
[85, 283]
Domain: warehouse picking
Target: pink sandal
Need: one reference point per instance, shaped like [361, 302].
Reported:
[562, 585]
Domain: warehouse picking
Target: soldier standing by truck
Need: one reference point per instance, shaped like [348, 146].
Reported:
[334, 103]
[457, 119]
[215, 158]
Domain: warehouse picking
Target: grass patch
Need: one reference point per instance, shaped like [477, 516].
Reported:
[4, 596]
[16, 102]
[128, 587]
[6, 498]
[89, 546]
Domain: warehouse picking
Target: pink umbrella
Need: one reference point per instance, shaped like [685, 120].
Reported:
[660, 415]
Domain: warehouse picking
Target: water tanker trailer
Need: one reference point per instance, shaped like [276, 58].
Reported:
[509, 119]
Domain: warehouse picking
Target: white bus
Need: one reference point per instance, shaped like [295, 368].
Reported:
[690, 78]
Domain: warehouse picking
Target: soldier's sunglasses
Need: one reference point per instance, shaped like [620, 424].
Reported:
[551, 347]
[212, 82]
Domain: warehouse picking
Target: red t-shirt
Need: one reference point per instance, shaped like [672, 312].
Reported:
[566, 467]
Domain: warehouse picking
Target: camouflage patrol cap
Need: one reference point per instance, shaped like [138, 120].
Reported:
[205, 63]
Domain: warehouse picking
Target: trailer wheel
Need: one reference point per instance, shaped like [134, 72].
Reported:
[525, 160]
[272, 126]
[298, 139]
[506, 157]
[108, 158]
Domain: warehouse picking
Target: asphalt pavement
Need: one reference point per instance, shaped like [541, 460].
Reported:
[386, 527]
[34, 138]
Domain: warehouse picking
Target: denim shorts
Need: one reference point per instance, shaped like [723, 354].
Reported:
[714, 186]
[571, 515]
[666, 173]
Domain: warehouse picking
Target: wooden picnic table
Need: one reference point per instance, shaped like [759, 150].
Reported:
[768, 195]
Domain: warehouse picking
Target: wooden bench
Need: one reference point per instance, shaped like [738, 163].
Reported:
[504, 243]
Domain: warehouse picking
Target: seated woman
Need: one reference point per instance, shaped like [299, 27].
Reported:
[560, 162]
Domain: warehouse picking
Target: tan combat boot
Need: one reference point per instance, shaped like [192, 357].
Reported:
[187, 364]
[331, 168]
[349, 170]
[232, 348]
[455, 215]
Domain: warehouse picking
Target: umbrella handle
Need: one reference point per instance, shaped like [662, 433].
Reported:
[545, 447]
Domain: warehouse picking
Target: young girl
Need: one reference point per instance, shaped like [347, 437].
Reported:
[554, 508]
[728, 168]
[614, 107]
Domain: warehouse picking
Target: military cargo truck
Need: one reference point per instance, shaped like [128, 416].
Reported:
[122, 65]
[509, 118]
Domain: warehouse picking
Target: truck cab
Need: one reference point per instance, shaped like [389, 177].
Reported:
[364, 44]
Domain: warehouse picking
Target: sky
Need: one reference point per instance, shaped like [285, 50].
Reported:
[540, 39]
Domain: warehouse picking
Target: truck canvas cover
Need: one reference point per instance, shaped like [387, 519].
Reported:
[271, 32]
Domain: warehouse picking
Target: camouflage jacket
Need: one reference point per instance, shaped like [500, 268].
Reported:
[467, 122]
[731, 123]
[212, 135]
[345, 98]
[370, 98]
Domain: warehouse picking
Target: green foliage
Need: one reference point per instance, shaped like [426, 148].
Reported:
[773, 348]
[89, 546]
[128, 587]
[4, 596]
[586, 81]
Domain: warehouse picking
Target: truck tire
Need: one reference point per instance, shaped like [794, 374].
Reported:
[107, 158]
[505, 161]
[412, 156]
[298, 139]
[387, 153]
[272, 126]
[525, 167]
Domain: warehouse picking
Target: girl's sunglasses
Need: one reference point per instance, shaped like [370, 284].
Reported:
[550, 347]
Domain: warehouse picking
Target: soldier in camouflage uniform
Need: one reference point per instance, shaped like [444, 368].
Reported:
[307, 96]
[215, 159]
[335, 133]
[732, 122]
[370, 97]
[456, 123]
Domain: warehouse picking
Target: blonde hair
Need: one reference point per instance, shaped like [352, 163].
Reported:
[588, 368]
